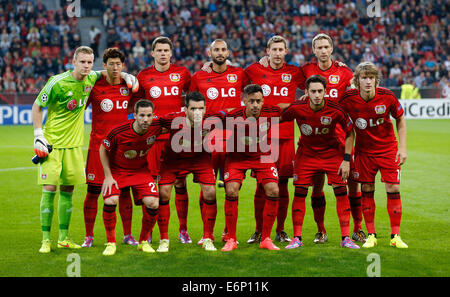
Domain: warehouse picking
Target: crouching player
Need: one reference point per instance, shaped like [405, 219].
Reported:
[376, 148]
[245, 151]
[319, 152]
[185, 154]
[123, 155]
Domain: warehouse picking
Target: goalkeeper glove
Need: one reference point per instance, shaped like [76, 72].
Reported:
[40, 143]
[131, 80]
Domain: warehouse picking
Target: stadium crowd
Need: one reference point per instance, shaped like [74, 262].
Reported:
[409, 41]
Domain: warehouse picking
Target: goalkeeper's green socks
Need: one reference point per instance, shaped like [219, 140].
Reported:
[46, 212]
[64, 213]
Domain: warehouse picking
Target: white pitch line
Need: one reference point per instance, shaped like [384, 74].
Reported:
[15, 169]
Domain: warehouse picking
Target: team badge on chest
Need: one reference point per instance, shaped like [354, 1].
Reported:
[232, 78]
[175, 77]
[286, 77]
[325, 120]
[380, 109]
[333, 79]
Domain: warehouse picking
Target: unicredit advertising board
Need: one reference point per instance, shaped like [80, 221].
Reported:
[414, 109]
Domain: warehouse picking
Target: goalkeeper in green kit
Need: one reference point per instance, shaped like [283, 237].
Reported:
[65, 96]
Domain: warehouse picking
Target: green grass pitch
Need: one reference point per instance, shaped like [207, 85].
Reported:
[425, 222]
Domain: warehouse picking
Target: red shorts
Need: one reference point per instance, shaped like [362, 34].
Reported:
[94, 169]
[154, 156]
[201, 167]
[141, 182]
[286, 156]
[236, 167]
[306, 167]
[366, 168]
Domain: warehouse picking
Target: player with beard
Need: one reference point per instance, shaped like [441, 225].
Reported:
[222, 88]
[164, 84]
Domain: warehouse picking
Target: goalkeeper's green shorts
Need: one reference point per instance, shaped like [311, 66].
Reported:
[63, 166]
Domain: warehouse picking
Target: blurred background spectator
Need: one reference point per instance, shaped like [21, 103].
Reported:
[408, 41]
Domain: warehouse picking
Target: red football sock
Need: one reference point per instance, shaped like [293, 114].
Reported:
[182, 205]
[270, 214]
[318, 204]
[149, 216]
[90, 210]
[298, 209]
[394, 208]
[259, 201]
[126, 210]
[343, 209]
[231, 215]
[200, 203]
[109, 219]
[209, 217]
[356, 210]
[368, 209]
[163, 219]
[283, 206]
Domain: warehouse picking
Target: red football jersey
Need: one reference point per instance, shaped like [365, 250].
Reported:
[127, 149]
[185, 141]
[372, 120]
[338, 78]
[249, 136]
[318, 128]
[279, 86]
[221, 90]
[109, 108]
[164, 89]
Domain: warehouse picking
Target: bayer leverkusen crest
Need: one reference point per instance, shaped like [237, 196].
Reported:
[286, 77]
[124, 91]
[333, 79]
[325, 120]
[87, 89]
[380, 109]
[175, 77]
[232, 78]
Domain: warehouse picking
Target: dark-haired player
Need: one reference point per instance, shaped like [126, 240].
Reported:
[164, 84]
[320, 152]
[185, 153]
[249, 148]
[109, 98]
[123, 154]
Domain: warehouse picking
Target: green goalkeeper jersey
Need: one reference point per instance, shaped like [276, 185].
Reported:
[66, 99]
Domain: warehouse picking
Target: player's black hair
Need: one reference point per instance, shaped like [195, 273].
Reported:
[316, 79]
[143, 103]
[194, 96]
[111, 53]
[252, 89]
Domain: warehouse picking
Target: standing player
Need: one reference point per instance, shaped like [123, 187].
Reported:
[109, 98]
[123, 155]
[376, 148]
[320, 151]
[251, 128]
[222, 89]
[338, 77]
[279, 83]
[164, 84]
[184, 154]
[65, 95]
